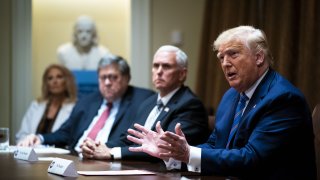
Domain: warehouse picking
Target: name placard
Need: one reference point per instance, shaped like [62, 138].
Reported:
[25, 153]
[63, 167]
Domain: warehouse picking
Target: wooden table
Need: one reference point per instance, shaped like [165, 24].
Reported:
[11, 168]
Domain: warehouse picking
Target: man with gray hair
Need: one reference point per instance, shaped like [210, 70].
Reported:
[84, 52]
[101, 116]
[174, 103]
[263, 123]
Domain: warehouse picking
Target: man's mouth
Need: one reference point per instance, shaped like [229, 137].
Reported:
[231, 75]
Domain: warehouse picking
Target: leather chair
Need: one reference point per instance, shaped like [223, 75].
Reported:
[211, 122]
[316, 129]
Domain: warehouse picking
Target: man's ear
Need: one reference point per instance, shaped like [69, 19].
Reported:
[260, 58]
[183, 74]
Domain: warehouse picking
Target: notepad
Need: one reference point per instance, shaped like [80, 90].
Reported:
[116, 173]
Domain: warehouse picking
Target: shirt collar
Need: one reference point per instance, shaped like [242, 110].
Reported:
[115, 103]
[165, 99]
[251, 90]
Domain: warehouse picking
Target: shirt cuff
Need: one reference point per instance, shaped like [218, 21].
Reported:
[194, 164]
[172, 164]
[116, 152]
[41, 138]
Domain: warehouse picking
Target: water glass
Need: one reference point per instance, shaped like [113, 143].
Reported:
[4, 139]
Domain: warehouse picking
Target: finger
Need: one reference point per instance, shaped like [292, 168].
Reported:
[135, 140]
[166, 147]
[169, 137]
[30, 143]
[87, 150]
[91, 145]
[136, 149]
[36, 140]
[179, 130]
[159, 128]
[88, 145]
[86, 155]
[141, 128]
[97, 143]
[89, 140]
[165, 155]
[135, 133]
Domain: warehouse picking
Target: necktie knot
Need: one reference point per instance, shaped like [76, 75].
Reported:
[109, 105]
[243, 98]
[159, 104]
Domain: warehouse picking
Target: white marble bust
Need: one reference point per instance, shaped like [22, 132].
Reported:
[84, 52]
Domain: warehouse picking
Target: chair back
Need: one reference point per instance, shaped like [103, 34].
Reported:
[316, 129]
[211, 122]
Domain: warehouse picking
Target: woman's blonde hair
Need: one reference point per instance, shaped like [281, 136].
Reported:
[71, 89]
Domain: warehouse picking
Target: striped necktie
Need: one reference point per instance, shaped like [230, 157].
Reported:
[237, 117]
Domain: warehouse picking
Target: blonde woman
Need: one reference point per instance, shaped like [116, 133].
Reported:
[48, 112]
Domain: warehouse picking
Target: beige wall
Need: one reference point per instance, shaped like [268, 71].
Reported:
[179, 15]
[5, 103]
[53, 20]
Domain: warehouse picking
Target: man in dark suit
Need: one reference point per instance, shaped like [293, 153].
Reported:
[114, 77]
[175, 103]
[263, 123]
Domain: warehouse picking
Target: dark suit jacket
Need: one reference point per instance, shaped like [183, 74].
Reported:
[184, 107]
[87, 108]
[274, 139]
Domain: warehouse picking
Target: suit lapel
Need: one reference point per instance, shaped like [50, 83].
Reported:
[147, 108]
[170, 106]
[92, 112]
[122, 109]
[260, 92]
[229, 118]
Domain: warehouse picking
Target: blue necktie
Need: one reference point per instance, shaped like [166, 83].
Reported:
[159, 104]
[237, 117]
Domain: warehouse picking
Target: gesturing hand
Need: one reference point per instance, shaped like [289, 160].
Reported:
[148, 139]
[178, 148]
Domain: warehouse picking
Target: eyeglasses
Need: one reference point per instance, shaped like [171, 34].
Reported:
[111, 77]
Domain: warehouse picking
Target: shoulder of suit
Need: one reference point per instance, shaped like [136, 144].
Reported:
[140, 90]
[91, 97]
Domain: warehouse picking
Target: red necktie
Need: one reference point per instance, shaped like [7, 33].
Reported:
[100, 123]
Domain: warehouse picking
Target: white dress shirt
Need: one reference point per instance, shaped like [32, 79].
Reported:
[104, 133]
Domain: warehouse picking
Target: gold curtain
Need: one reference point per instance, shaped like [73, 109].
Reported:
[292, 28]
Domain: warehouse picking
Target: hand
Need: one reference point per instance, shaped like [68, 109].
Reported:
[95, 150]
[30, 140]
[148, 139]
[179, 148]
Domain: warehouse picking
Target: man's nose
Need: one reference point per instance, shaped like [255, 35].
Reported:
[107, 81]
[225, 61]
[159, 70]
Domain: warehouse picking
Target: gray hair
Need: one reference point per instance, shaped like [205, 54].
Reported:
[254, 39]
[181, 57]
[119, 61]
